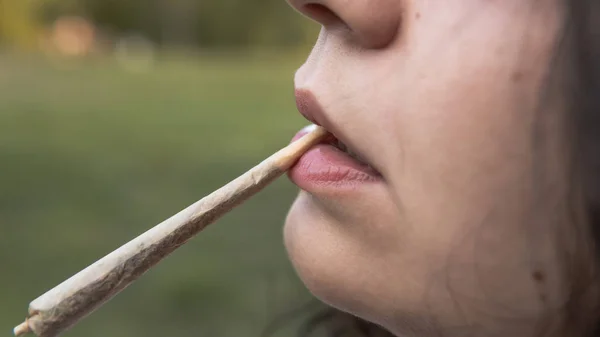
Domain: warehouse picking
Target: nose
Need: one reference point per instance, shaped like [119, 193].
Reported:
[371, 23]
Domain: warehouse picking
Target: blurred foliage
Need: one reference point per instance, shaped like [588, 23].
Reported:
[18, 24]
[93, 155]
[196, 23]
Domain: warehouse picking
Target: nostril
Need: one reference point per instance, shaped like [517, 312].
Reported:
[321, 14]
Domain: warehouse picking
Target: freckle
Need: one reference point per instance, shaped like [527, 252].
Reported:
[538, 276]
[543, 298]
[417, 15]
[517, 76]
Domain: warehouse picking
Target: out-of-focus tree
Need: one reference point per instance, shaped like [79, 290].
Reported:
[235, 22]
[223, 23]
[18, 25]
[190, 23]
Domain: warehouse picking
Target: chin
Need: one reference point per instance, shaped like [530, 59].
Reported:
[337, 264]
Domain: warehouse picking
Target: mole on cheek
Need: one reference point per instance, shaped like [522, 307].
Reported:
[517, 76]
[539, 278]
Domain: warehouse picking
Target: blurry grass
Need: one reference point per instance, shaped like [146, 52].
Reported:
[93, 155]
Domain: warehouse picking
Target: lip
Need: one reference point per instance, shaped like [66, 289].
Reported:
[325, 168]
[308, 106]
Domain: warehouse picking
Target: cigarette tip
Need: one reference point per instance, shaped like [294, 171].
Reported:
[310, 128]
[21, 329]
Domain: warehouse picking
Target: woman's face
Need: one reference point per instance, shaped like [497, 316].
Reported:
[453, 225]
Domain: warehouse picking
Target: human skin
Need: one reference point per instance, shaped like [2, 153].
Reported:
[459, 105]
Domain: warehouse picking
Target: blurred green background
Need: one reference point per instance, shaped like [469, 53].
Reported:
[116, 114]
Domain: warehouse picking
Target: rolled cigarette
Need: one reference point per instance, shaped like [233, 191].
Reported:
[63, 306]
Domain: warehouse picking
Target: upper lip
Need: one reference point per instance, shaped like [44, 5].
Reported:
[309, 107]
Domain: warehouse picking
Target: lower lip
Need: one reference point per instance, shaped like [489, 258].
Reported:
[325, 165]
